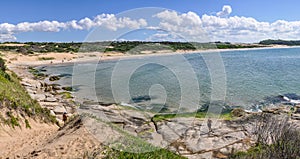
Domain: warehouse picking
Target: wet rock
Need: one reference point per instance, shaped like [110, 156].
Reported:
[67, 88]
[55, 87]
[238, 112]
[54, 78]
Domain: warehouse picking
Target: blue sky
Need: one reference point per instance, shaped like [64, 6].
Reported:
[245, 21]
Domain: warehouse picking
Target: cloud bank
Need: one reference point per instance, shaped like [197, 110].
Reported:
[108, 21]
[190, 25]
[222, 28]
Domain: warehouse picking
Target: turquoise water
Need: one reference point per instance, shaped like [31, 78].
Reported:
[251, 76]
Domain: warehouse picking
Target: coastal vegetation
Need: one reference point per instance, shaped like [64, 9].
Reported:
[46, 58]
[160, 153]
[37, 73]
[128, 146]
[116, 46]
[275, 138]
[200, 114]
[15, 101]
[280, 42]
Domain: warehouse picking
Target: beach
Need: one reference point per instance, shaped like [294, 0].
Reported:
[36, 59]
[44, 140]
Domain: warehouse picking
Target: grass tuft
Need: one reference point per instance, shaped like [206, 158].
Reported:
[45, 58]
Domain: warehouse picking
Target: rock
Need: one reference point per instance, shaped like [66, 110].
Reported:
[38, 97]
[52, 113]
[54, 78]
[55, 87]
[51, 99]
[135, 117]
[130, 128]
[272, 111]
[238, 112]
[168, 134]
[217, 154]
[180, 127]
[26, 84]
[60, 122]
[50, 104]
[143, 128]
[69, 115]
[297, 110]
[70, 110]
[59, 110]
[204, 155]
[296, 116]
[67, 88]
[225, 150]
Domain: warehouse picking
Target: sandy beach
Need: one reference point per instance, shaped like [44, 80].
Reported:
[36, 59]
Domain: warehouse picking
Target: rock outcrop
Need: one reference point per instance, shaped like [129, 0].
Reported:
[186, 136]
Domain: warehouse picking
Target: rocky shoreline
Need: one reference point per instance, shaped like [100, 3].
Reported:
[50, 96]
[186, 136]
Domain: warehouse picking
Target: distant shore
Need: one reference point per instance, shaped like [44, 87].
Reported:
[38, 59]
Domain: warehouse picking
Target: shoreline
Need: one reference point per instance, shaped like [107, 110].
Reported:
[70, 138]
[47, 94]
[73, 58]
[22, 68]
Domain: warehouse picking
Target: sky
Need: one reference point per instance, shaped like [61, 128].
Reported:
[150, 20]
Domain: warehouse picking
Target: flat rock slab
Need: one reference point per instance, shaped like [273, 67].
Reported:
[51, 99]
[39, 97]
[59, 110]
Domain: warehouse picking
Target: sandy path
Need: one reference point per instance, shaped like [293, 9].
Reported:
[47, 141]
[15, 143]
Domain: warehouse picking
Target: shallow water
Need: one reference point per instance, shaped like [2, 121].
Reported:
[251, 75]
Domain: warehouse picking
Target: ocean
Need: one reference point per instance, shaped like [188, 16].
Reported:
[238, 78]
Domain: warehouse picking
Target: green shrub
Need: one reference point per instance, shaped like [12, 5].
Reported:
[66, 95]
[16, 98]
[13, 120]
[67, 88]
[45, 58]
[2, 65]
[159, 154]
[277, 138]
[27, 124]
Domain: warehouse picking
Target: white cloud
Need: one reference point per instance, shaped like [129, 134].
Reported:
[226, 10]
[108, 21]
[190, 26]
[221, 28]
[186, 24]
[7, 37]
